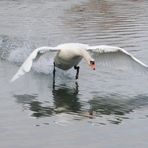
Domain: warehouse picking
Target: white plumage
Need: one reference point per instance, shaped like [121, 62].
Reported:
[70, 54]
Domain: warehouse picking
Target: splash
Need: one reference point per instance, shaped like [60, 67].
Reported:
[15, 51]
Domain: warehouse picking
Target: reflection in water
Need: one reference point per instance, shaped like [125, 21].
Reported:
[117, 106]
[30, 103]
[110, 105]
[66, 100]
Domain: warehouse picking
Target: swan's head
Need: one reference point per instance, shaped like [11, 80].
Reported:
[92, 64]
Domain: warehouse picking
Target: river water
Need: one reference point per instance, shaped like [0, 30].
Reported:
[104, 108]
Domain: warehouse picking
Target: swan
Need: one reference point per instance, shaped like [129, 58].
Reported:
[70, 54]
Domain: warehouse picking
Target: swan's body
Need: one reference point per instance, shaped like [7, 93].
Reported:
[70, 54]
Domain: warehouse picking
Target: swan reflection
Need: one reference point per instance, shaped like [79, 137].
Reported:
[114, 104]
[67, 100]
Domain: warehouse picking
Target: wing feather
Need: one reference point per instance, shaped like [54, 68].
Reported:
[117, 57]
[26, 66]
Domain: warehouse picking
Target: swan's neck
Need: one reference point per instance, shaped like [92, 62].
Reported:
[86, 56]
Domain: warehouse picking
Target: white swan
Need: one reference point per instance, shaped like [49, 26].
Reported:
[70, 54]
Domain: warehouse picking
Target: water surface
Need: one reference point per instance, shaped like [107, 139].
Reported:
[104, 108]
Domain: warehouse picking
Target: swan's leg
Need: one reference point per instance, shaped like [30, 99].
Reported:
[54, 70]
[54, 75]
[77, 73]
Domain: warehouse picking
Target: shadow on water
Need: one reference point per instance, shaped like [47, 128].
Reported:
[67, 100]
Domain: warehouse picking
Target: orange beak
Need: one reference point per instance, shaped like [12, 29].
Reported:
[93, 66]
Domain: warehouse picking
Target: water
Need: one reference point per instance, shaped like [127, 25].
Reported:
[104, 108]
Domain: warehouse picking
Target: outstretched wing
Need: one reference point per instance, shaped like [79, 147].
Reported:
[117, 57]
[26, 66]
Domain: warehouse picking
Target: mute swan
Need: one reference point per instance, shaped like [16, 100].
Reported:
[70, 54]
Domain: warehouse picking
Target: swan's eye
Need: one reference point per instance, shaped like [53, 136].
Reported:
[92, 62]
